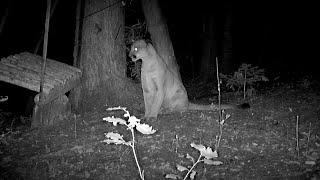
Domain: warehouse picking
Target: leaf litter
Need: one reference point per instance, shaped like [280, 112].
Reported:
[256, 143]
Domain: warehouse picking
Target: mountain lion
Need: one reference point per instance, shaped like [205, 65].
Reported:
[163, 91]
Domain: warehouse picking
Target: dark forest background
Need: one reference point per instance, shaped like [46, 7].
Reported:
[276, 36]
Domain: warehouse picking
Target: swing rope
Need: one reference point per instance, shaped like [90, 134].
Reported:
[45, 47]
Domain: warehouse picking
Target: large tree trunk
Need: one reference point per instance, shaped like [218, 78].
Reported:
[158, 29]
[102, 59]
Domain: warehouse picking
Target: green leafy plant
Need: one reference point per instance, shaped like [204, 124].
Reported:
[206, 156]
[222, 119]
[245, 78]
[131, 124]
[222, 115]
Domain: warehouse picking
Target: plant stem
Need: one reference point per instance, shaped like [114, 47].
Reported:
[220, 135]
[309, 133]
[194, 165]
[244, 84]
[135, 155]
[297, 135]
[75, 126]
[219, 98]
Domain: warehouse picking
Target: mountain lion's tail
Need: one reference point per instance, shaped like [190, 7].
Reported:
[216, 107]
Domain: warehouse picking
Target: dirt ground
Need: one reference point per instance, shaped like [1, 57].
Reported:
[256, 143]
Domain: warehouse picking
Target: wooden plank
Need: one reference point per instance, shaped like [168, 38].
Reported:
[24, 70]
[32, 62]
[53, 68]
[31, 73]
[53, 64]
[20, 80]
[35, 65]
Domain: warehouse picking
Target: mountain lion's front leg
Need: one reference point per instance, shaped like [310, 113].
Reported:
[153, 96]
[157, 99]
[148, 94]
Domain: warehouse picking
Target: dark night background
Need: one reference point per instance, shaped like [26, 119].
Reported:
[276, 36]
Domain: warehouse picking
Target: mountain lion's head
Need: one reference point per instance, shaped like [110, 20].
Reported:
[138, 50]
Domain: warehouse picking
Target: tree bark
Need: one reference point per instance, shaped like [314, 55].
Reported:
[75, 93]
[102, 59]
[158, 29]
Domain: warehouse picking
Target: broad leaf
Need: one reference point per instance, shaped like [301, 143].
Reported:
[115, 108]
[182, 168]
[191, 158]
[115, 138]
[115, 121]
[133, 121]
[145, 129]
[173, 176]
[193, 174]
[211, 162]
[199, 147]
[206, 152]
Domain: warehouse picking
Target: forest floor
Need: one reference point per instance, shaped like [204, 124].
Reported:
[257, 143]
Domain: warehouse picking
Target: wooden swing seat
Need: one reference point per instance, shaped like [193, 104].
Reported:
[24, 70]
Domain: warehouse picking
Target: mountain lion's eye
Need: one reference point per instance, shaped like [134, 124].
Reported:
[135, 49]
